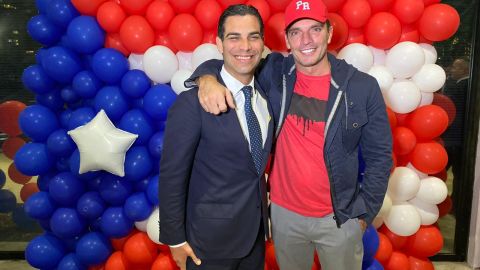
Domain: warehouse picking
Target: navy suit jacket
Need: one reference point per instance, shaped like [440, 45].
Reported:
[210, 192]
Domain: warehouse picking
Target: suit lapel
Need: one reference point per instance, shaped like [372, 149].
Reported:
[268, 141]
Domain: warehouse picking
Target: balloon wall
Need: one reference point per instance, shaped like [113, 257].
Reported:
[107, 74]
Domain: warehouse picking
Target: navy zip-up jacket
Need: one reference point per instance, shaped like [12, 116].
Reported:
[357, 118]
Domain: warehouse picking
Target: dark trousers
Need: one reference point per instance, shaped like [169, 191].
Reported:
[253, 261]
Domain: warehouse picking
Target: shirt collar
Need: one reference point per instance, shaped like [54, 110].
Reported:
[234, 85]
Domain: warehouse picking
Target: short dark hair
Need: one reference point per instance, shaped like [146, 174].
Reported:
[235, 10]
[327, 23]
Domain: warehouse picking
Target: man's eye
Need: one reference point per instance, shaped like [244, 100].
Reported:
[317, 29]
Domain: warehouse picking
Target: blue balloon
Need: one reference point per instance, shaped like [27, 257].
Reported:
[69, 95]
[91, 205]
[61, 64]
[37, 122]
[137, 207]
[36, 79]
[64, 117]
[135, 83]
[141, 185]
[115, 190]
[370, 242]
[109, 65]
[41, 29]
[61, 12]
[155, 145]
[42, 5]
[85, 34]
[93, 248]
[95, 225]
[152, 190]
[159, 125]
[75, 167]
[43, 181]
[24, 222]
[45, 224]
[86, 84]
[137, 103]
[39, 55]
[137, 122]
[63, 164]
[112, 101]
[158, 100]
[40, 206]
[3, 179]
[8, 201]
[60, 144]
[138, 163]
[80, 117]
[67, 223]
[114, 223]
[33, 159]
[65, 189]
[44, 251]
[71, 262]
[93, 183]
[374, 265]
[52, 100]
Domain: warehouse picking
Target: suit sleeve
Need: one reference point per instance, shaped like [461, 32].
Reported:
[212, 67]
[182, 134]
[376, 147]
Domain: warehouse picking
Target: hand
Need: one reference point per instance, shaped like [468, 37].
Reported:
[363, 224]
[180, 255]
[212, 95]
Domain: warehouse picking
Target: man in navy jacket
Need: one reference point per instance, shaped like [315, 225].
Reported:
[317, 202]
[212, 189]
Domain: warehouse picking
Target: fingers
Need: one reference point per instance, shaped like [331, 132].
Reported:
[230, 100]
[192, 255]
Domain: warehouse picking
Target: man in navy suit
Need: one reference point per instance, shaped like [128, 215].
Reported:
[213, 205]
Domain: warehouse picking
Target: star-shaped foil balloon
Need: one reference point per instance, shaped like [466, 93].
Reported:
[102, 146]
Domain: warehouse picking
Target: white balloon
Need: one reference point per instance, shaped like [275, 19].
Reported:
[178, 80]
[203, 53]
[377, 222]
[160, 63]
[135, 61]
[419, 173]
[427, 99]
[403, 96]
[432, 190]
[358, 55]
[403, 184]
[184, 60]
[266, 52]
[383, 75]
[153, 226]
[141, 225]
[405, 59]
[403, 219]
[430, 53]
[430, 78]
[379, 56]
[386, 206]
[428, 212]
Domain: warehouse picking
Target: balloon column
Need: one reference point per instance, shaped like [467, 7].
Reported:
[109, 71]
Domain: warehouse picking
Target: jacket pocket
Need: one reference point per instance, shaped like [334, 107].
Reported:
[213, 210]
[352, 130]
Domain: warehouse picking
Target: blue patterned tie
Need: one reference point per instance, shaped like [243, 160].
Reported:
[254, 131]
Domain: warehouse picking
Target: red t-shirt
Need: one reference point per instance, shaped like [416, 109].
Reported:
[299, 179]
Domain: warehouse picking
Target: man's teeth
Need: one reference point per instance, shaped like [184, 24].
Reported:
[243, 57]
[307, 51]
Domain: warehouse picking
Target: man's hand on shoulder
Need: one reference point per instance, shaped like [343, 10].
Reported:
[181, 253]
[213, 96]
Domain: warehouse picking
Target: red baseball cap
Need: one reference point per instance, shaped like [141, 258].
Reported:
[305, 9]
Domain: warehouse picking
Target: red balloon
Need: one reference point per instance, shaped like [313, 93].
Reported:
[398, 261]
[380, 5]
[27, 190]
[429, 2]
[429, 157]
[445, 207]
[9, 112]
[392, 118]
[275, 33]
[207, 13]
[164, 262]
[442, 175]
[117, 261]
[118, 243]
[164, 40]
[135, 7]
[397, 241]
[408, 11]
[355, 35]
[332, 5]
[383, 30]
[270, 256]
[11, 145]
[447, 104]
[183, 6]
[426, 242]
[340, 31]
[97, 267]
[140, 250]
[439, 22]
[356, 12]
[409, 33]
[401, 119]
[209, 37]
[110, 16]
[420, 264]
[163, 248]
[385, 248]
[159, 15]
[394, 159]
[185, 32]
[112, 40]
[428, 122]
[404, 140]
[87, 7]
[17, 176]
[403, 160]
[422, 39]
[262, 7]
[136, 34]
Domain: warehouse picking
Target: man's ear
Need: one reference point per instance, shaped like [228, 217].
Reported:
[219, 44]
[286, 41]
